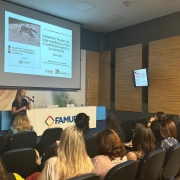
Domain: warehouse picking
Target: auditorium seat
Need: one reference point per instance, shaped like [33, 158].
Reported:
[25, 139]
[171, 163]
[2, 144]
[89, 176]
[91, 147]
[50, 152]
[48, 137]
[127, 129]
[20, 161]
[178, 131]
[124, 171]
[150, 166]
[121, 136]
[142, 121]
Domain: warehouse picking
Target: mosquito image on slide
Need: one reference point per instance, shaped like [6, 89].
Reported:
[24, 32]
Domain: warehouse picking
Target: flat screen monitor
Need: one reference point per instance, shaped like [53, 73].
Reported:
[141, 77]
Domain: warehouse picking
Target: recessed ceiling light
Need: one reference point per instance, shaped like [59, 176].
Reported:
[84, 6]
[114, 18]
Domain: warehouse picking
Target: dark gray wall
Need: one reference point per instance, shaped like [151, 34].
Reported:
[159, 28]
[163, 27]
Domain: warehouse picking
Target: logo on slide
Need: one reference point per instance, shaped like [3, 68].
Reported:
[49, 121]
[57, 71]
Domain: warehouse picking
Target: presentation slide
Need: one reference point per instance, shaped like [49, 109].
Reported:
[141, 77]
[36, 48]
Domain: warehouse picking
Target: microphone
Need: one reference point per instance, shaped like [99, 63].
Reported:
[29, 98]
[68, 100]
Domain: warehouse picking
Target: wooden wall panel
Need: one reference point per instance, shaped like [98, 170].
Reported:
[92, 78]
[128, 97]
[164, 72]
[104, 79]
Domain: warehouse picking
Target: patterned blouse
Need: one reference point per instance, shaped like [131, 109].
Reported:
[166, 143]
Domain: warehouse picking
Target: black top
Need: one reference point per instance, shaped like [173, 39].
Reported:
[15, 104]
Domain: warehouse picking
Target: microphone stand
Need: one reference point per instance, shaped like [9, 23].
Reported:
[68, 101]
[34, 102]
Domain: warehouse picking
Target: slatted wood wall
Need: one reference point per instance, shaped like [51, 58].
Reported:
[128, 97]
[104, 79]
[92, 78]
[164, 72]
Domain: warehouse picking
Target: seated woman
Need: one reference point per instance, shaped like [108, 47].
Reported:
[21, 123]
[82, 122]
[111, 152]
[143, 142]
[154, 124]
[112, 122]
[72, 159]
[169, 132]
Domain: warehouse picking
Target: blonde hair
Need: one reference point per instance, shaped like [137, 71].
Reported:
[18, 97]
[21, 122]
[72, 157]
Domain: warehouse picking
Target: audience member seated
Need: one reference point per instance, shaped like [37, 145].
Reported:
[72, 159]
[143, 142]
[21, 123]
[154, 124]
[169, 132]
[82, 122]
[112, 122]
[8, 176]
[111, 152]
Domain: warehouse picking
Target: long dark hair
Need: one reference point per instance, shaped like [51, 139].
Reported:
[168, 129]
[112, 122]
[144, 139]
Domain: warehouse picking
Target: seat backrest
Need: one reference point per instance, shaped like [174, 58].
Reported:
[50, 152]
[121, 136]
[2, 143]
[178, 131]
[89, 176]
[49, 137]
[150, 166]
[142, 121]
[25, 139]
[124, 171]
[127, 129]
[172, 162]
[20, 161]
[91, 147]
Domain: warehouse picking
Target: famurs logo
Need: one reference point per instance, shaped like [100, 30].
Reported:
[49, 121]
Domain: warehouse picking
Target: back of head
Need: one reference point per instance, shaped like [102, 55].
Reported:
[72, 157]
[143, 139]
[160, 116]
[168, 129]
[109, 144]
[112, 123]
[82, 122]
[21, 122]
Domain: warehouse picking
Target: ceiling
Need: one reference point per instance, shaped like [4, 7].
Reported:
[104, 15]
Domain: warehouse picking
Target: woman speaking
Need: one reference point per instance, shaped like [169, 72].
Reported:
[20, 104]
